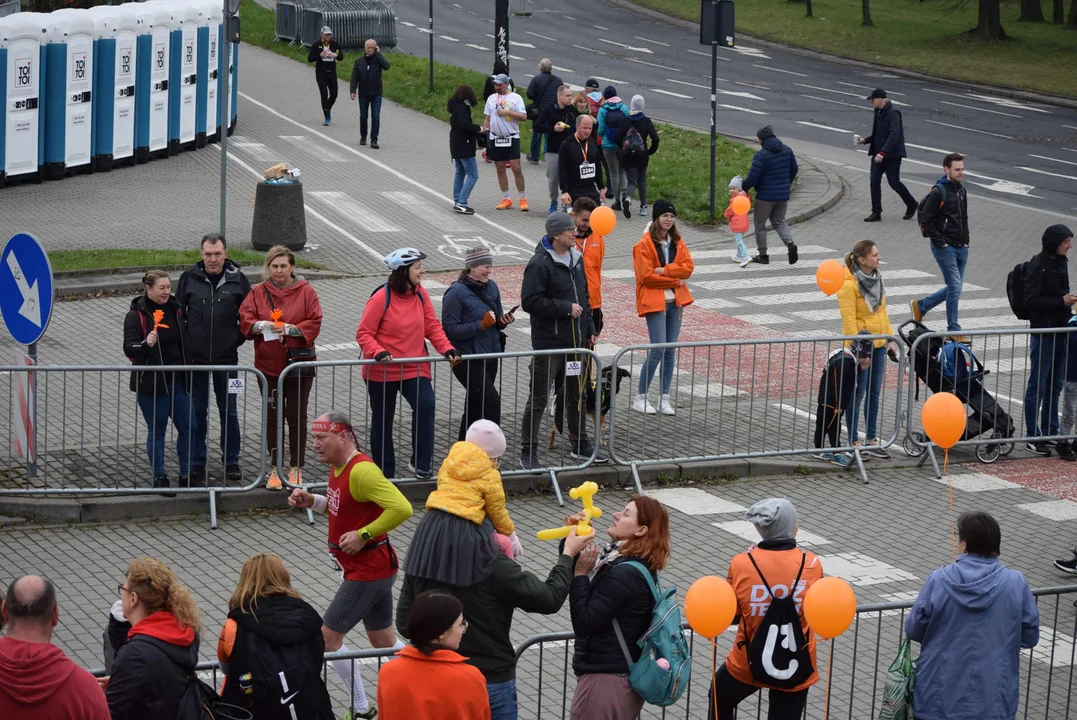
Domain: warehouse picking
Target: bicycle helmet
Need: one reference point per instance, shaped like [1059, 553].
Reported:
[403, 257]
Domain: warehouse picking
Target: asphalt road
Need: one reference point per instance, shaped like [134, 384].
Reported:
[1018, 150]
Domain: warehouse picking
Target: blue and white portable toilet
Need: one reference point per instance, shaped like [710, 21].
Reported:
[215, 36]
[183, 75]
[22, 60]
[115, 54]
[152, 79]
[207, 27]
[68, 96]
[233, 84]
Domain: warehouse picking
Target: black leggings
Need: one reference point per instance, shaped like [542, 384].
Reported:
[483, 401]
[784, 705]
[327, 89]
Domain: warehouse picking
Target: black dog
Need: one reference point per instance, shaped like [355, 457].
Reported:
[591, 399]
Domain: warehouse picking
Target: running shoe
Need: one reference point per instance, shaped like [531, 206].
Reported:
[505, 204]
[274, 483]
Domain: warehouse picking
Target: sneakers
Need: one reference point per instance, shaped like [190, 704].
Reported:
[745, 261]
[232, 473]
[910, 212]
[762, 259]
[198, 476]
[462, 209]
[419, 474]
[642, 405]
[532, 160]
[616, 207]
[1038, 448]
[917, 313]
[368, 715]
[644, 211]
[1066, 451]
[626, 207]
[583, 448]
[842, 460]
[523, 203]
[362, 141]
[529, 459]
[874, 217]
[274, 483]
[326, 123]
[963, 339]
[163, 482]
[553, 206]
[865, 455]
[665, 406]
[374, 145]
[505, 204]
[793, 254]
[876, 450]
[295, 476]
[1068, 566]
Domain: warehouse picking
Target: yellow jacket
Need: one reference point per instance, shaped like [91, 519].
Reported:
[855, 314]
[469, 486]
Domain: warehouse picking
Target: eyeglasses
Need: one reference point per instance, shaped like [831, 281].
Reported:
[122, 589]
[463, 625]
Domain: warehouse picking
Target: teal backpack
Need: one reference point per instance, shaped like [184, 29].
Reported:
[664, 639]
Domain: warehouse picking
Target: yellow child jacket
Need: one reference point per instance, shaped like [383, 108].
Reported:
[469, 486]
[855, 314]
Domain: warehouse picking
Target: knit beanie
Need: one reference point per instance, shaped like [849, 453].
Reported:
[765, 132]
[636, 106]
[736, 182]
[661, 207]
[609, 92]
[557, 223]
[478, 255]
[487, 435]
[774, 518]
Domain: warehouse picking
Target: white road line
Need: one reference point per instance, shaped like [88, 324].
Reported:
[599, 27]
[973, 107]
[309, 145]
[715, 303]
[751, 85]
[1070, 150]
[544, 37]
[566, 17]
[823, 89]
[725, 254]
[424, 30]
[1058, 510]
[741, 94]
[744, 529]
[690, 84]
[591, 50]
[391, 170]
[517, 57]
[405, 22]
[516, 42]
[807, 415]
[626, 47]
[425, 209]
[1071, 127]
[1044, 157]
[1007, 102]
[836, 102]
[673, 94]
[1044, 172]
[763, 319]
[958, 127]
[697, 52]
[256, 149]
[742, 109]
[655, 42]
[822, 127]
[446, 37]
[865, 87]
[351, 208]
[478, 47]
[768, 280]
[999, 185]
[817, 296]
[977, 482]
[787, 72]
[862, 570]
[644, 62]
[611, 81]
[928, 148]
[1055, 648]
[694, 501]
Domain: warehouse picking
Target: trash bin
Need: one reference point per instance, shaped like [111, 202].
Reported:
[151, 79]
[279, 216]
[183, 75]
[22, 36]
[115, 56]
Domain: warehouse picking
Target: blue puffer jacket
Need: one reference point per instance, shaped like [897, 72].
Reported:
[462, 309]
[773, 170]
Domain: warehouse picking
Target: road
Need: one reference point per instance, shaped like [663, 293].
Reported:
[1016, 149]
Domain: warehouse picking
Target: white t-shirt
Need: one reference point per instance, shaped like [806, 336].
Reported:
[504, 126]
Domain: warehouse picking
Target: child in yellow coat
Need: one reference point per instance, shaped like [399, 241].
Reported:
[454, 542]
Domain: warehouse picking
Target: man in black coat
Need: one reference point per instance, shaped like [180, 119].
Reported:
[578, 167]
[886, 146]
[326, 53]
[1050, 304]
[557, 122]
[542, 91]
[366, 85]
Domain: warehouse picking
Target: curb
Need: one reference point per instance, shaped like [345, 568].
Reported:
[1015, 93]
[78, 282]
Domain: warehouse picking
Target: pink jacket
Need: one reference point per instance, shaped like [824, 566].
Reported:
[737, 223]
[401, 330]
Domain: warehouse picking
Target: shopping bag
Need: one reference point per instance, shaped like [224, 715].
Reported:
[898, 690]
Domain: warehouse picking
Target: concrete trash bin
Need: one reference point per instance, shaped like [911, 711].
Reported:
[279, 216]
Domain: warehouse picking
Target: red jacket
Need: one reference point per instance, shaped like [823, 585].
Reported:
[737, 223]
[438, 686]
[300, 307]
[38, 681]
[401, 329]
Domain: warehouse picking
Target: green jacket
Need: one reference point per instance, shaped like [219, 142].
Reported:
[488, 608]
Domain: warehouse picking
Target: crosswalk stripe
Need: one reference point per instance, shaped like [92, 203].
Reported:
[695, 501]
[308, 144]
[816, 296]
[744, 529]
[256, 149]
[779, 281]
[715, 303]
[861, 570]
[723, 254]
[764, 319]
[354, 210]
[425, 209]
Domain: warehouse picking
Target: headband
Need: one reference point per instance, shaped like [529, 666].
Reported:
[325, 426]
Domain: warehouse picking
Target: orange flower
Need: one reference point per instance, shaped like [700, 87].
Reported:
[158, 316]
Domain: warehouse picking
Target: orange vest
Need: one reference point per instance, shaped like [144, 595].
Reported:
[593, 249]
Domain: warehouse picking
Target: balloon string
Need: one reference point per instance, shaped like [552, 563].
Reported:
[714, 675]
[950, 488]
[829, 673]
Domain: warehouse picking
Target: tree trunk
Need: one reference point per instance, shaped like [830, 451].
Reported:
[1058, 14]
[1072, 24]
[1031, 11]
[865, 12]
[989, 23]
[808, 12]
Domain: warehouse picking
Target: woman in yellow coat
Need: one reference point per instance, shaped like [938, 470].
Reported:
[862, 301]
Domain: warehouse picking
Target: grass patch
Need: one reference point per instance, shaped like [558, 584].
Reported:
[68, 260]
[679, 172]
[923, 36]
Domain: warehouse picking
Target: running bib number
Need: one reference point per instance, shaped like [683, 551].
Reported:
[587, 171]
[573, 368]
[502, 142]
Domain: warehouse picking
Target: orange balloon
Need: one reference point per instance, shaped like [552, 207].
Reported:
[830, 607]
[741, 205]
[710, 606]
[603, 220]
[830, 276]
[944, 417]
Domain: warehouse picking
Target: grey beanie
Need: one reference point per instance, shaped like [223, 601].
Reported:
[736, 182]
[764, 133]
[557, 223]
[774, 518]
[636, 106]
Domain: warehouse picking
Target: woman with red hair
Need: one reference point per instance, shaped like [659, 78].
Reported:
[607, 590]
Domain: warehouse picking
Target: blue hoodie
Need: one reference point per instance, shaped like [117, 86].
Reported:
[614, 103]
[971, 619]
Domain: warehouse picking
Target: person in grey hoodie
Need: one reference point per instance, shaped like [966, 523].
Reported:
[610, 116]
[972, 619]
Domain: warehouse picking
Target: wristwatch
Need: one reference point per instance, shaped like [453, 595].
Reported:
[365, 536]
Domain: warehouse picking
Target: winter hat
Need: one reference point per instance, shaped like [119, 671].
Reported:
[557, 223]
[774, 518]
[478, 255]
[636, 106]
[661, 207]
[487, 435]
[1055, 236]
[737, 183]
[765, 132]
[609, 92]
[591, 84]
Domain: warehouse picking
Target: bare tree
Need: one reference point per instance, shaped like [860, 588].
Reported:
[1031, 11]
[1058, 14]
[989, 21]
[808, 12]
[1072, 23]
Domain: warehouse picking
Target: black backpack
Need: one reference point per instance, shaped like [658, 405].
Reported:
[633, 146]
[614, 118]
[1015, 290]
[923, 202]
[201, 702]
[276, 682]
[778, 654]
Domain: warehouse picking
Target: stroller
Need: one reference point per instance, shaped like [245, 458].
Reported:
[949, 366]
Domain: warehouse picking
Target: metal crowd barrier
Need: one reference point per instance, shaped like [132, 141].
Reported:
[92, 435]
[10, 8]
[339, 385]
[744, 399]
[288, 17]
[353, 22]
[993, 390]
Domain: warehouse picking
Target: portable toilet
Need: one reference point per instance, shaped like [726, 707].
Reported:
[183, 75]
[233, 84]
[206, 78]
[68, 95]
[215, 34]
[115, 55]
[152, 56]
[22, 61]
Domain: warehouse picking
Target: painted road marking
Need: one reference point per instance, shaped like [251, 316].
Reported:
[803, 279]
[654, 42]
[787, 72]
[626, 47]
[744, 529]
[715, 303]
[349, 207]
[693, 501]
[673, 94]
[958, 127]
[973, 107]
[841, 92]
[807, 297]
[426, 210]
[446, 37]
[865, 87]
[742, 109]
[1044, 157]
[611, 81]
[1058, 510]
[644, 62]
[1008, 103]
[1054, 648]
[707, 54]
[256, 149]
[802, 249]
[836, 102]
[862, 570]
[513, 43]
[1045, 172]
[309, 145]
[544, 37]
[763, 319]
[978, 482]
[823, 127]
[928, 148]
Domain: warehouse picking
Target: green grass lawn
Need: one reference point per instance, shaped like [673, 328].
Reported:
[679, 172]
[147, 259]
[923, 36]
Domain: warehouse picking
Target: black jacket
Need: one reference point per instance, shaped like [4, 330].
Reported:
[569, 158]
[149, 677]
[366, 75]
[325, 67]
[887, 133]
[463, 132]
[617, 591]
[1047, 281]
[548, 291]
[542, 90]
[645, 127]
[136, 326]
[549, 117]
[948, 225]
[281, 621]
[488, 607]
[212, 313]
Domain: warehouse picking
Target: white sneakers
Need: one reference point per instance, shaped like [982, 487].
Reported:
[642, 405]
[665, 407]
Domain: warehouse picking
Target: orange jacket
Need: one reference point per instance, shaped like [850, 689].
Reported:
[593, 249]
[651, 287]
[780, 568]
[439, 686]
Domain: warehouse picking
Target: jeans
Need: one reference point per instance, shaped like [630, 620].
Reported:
[226, 411]
[419, 394]
[891, 167]
[502, 700]
[742, 249]
[784, 705]
[327, 89]
[467, 174]
[637, 177]
[951, 260]
[775, 212]
[483, 401]
[156, 409]
[1069, 407]
[662, 327]
[1046, 377]
[553, 180]
[373, 104]
[869, 381]
[618, 178]
[536, 144]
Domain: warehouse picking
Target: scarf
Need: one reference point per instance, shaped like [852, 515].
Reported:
[871, 287]
[611, 552]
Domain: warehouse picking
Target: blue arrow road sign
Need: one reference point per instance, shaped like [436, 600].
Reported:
[27, 292]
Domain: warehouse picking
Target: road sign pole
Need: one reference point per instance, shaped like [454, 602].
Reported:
[714, 100]
[431, 34]
[31, 451]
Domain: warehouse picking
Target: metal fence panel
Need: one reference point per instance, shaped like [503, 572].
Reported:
[353, 22]
[288, 16]
[10, 8]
